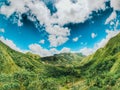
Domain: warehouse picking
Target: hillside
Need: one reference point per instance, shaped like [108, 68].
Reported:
[20, 71]
[6, 60]
[66, 71]
[102, 69]
[64, 59]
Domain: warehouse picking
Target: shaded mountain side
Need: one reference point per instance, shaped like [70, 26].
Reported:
[64, 59]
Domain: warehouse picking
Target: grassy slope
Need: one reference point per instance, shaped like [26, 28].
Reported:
[6, 60]
[100, 71]
[17, 68]
[20, 71]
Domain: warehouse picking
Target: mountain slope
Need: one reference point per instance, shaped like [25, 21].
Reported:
[6, 60]
[9, 57]
[64, 59]
[17, 69]
[102, 69]
[20, 71]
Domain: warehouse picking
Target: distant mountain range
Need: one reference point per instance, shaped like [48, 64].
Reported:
[66, 71]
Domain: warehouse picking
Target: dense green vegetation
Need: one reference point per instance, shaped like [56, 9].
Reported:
[66, 71]
[64, 59]
[20, 71]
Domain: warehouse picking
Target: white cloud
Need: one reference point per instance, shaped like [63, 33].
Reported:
[111, 17]
[115, 4]
[65, 50]
[42, 41]
[93, 35]
[58, 31]
[57, 40]
[58, 35]
[37, 49]
[2, 30]
[10, 43]
[87, 51]
[102, 43]
[75, 39]
[40, 11]
[80, 10]
[66, 10]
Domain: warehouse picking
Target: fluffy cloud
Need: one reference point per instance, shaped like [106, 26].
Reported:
[93, 35]
[2, 30]
[75, 39]
[102, 43]
[58, 35]
[66, 10]
[37, 49]
[111, 17]
[115, 4]
[42, 41]
[80, 10]
[57, 40]
[58, 31]
[10, 43]
[87, 51]
[36, 10]
[65, 50]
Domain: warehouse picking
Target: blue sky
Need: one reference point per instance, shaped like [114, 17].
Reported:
[85, 34]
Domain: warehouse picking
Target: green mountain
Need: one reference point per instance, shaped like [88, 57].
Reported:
[64, 59]
[20, 71]
[102, 69]
[66, 71]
